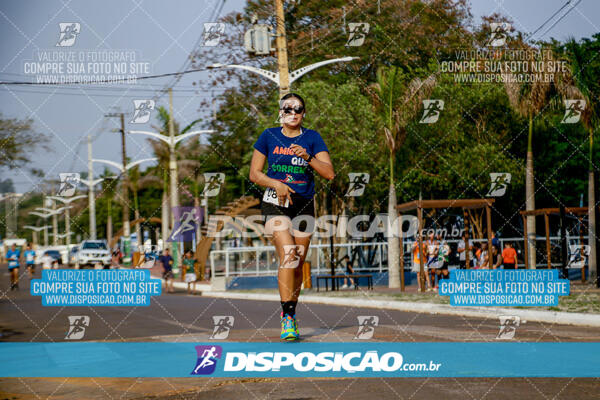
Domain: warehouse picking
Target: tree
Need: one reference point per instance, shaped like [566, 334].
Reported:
[528, 99]
[397, 99]
[19, 142]
[585, 69]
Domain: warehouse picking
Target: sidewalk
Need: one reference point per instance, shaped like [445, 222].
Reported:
[430, 302]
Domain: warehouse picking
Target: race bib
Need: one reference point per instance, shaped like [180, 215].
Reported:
[12, 263]
[270, 196]
[29, 257]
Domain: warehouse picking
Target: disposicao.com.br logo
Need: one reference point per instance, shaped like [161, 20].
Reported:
[320, 363]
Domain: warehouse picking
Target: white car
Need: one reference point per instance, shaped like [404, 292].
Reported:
[92, 252]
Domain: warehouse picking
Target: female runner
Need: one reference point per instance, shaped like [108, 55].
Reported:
[293, 152]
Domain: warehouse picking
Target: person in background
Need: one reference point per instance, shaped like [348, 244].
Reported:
[349, 271]
[12, 256]
[30, 260]
[443, 259]
[190, 271]
[167, 263]
[495, 240]
[509, 256]
[432, 258]
[462, 254]
[116, 257]
[496, 260]
[46, 261]
[416, 262]
[477, 255]
[484, 258]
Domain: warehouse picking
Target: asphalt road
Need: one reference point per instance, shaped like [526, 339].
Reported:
[182, 317]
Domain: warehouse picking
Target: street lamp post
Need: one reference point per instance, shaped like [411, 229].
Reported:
[172, 141]
[124, 169]
[54, 213]
[35, 230]
[47, 213]
[277, 77]
[67, 201]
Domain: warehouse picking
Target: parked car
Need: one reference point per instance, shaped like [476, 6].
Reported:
[92, 252]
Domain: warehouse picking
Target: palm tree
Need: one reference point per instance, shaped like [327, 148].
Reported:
[397, 100]
[528, 99]
[585, 85]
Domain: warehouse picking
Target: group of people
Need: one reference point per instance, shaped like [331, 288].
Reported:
[13, 258]
[189, 270]
[436, 254]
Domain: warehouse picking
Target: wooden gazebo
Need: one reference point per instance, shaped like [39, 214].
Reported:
[465, 204]
[578, 212]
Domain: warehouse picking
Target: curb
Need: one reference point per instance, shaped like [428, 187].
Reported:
[552, 317]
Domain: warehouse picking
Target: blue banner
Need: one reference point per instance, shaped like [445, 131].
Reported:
[499, 287]
[104, 287]
[300, 359]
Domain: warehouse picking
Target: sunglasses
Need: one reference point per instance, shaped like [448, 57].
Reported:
[296, 110]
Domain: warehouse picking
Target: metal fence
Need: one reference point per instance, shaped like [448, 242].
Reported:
[366, 256]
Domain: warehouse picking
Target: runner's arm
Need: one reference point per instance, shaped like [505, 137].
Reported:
[256, 171]
[321, 163]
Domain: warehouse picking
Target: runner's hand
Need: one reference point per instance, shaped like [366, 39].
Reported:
[299, 151]
[283, 193]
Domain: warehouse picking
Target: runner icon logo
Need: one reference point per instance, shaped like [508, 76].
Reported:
[291, 255]
[77, 325]
[499, 34]
[366, 326]
[500, 181]
[68, 33]
[207, 359]
[212, 183]
[141, 111]
[68, 184]
[358, 32]
[431, 111]
[508, 326]
[573, 110]
[213, 31]
[187, 220]
[223, 324]
[579, 254]
[358, 182]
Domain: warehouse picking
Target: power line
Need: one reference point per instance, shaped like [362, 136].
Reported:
[550, 19]
[188, 61]
[93, 83]
[560, 19]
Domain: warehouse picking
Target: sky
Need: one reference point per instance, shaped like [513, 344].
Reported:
[160, 35]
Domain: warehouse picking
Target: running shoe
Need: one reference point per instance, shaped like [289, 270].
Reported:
[289, 329]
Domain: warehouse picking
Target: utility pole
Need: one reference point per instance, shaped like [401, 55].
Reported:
[281, 44]
[125, 194]
[91, 197]
[172, 161]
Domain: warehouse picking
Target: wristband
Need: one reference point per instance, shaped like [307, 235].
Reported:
[310, 157]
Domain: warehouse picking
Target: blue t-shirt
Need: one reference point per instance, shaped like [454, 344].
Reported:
[29, 257]
[15, 256]
[166, 262]
[284, 165]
